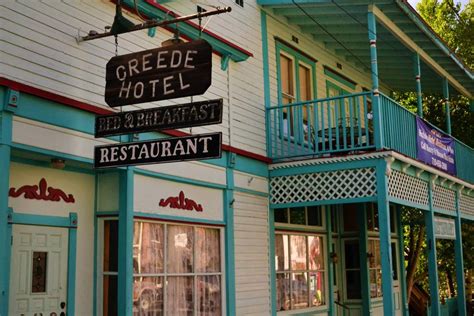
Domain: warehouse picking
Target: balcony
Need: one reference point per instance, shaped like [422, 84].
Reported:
[347, 125]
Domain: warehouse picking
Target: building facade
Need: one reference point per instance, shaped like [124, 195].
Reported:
[301, 214]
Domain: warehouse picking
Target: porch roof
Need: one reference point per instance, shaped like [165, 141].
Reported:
[342, 26]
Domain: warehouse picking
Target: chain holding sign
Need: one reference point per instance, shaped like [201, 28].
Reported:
[157, 74]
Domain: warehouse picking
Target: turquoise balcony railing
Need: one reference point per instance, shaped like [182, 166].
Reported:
[345, 125]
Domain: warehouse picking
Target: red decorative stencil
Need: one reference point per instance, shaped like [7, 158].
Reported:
[180, 202]
[41, 192]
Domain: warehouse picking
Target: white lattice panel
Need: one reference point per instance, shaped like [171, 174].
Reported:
[466, 204]
[330, 185]
[444, 199]
[408, 188]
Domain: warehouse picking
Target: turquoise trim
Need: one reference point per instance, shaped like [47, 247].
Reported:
[229, 236]
[125, 243]
[225, 62]
[446, 105]
[444, 212]
[47, 164]
[326, 202]
[52, 153]
[178, 218]
[385, 238]
[40, 220]
[323, 168]
[106, 214]
[6, 119]
[222, 47]
[71, 271]
[271, 244]
[12, 100]
[364, 267]
[330, 266]
[266, 77]
[407, 203]
[253, 192]
[432, 260]
[401, 262]
[458, 253]
[252, 166]
[417, 71]
[339, 79]
[178, 179]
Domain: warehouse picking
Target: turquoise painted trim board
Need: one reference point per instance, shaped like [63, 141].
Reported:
[253, 192]
[432, 260]
[57, 221]
[322, 168]
[385, 238]
[178, 179]
[401, 251]
[52, 153]
[363, 260]
[177, 218]
[326, 202]
[458, 253]
[125, 243]
[266, 77]
[229, 236]
[333, 75]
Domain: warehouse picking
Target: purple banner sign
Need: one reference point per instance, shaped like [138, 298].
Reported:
[435, 148]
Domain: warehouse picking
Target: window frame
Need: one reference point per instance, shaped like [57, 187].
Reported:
[298, 59]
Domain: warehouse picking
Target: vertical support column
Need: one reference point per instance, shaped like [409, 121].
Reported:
[125, 243]
[417, 71]
[331, 311]
[229, 232]
[266, 80]
[271, 234]
[446, 105]
[401, 250]
[459, 261]
[5, 232]
[432, 262]
[363, 250]
[378, 132]
[71, 272]
[385, 245]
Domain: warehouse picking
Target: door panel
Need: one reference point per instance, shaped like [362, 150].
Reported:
[38, 278]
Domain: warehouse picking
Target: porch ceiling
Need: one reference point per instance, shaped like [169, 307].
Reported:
[342, 26]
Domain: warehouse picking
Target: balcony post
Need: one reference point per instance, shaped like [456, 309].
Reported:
[446, 105]
[417, 69]
[432, 260]
[459, 260]
[378, 136]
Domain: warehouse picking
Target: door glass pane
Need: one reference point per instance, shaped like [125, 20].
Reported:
[298, 215]
[111, 246]
[282, 252]
[110, 295]
[394, 261]
[283, 291]
[316, 288]
[305, 83]
[179, 297]
[38, 275]
[207, 250]
[281, 215]
[373, 283]
[353, 284]
[351, 223]
[314, 216]
[316, 257]
[286, 72]
[148, 296]
[298, 252]
[180, 249]
[209, 295]
[299, 291]
[352, 254]
[148, 247]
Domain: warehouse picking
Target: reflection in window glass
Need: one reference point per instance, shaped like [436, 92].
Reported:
[148, 295]
[282, 252]
[316, 288]
[179, 297]
[315, 246]
[110, 267]
[208, 248]
[299, 291]
[208, 295]
[180, 249]
[283, 291]
[148, 247]
[298, 252]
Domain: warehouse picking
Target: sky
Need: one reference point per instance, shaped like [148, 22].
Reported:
[414, 2]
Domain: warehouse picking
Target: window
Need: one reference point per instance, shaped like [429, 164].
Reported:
[240, 2]
[296, 84]
[177, 269]
[375, 268]
[352, 267]
[341, 110]
[309, 216]
[299, 261]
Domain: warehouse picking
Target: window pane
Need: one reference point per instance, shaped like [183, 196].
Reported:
[286, 72]
[316, 288]
[353, 284]
[179, 297]
[314, 216]
[352, 254]
[305, 83]
[281, 215]
[148, 247]
[148, 296]
[209, 295]
[111, 246]
[394, 261]
[110, 295]
[282, 257]
[283, 291]
[38, 275]
[298, 252]
[180, 249]
[207, 250]
[316, 257]
[299, 292]
[351, 223]
[298, 215]
[373, 283]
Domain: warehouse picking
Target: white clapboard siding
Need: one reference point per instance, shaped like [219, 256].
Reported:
[38, 47]
[251, 244]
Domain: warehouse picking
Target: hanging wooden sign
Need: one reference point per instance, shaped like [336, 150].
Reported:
[196, 147]
[162, 118]
[158, 74]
